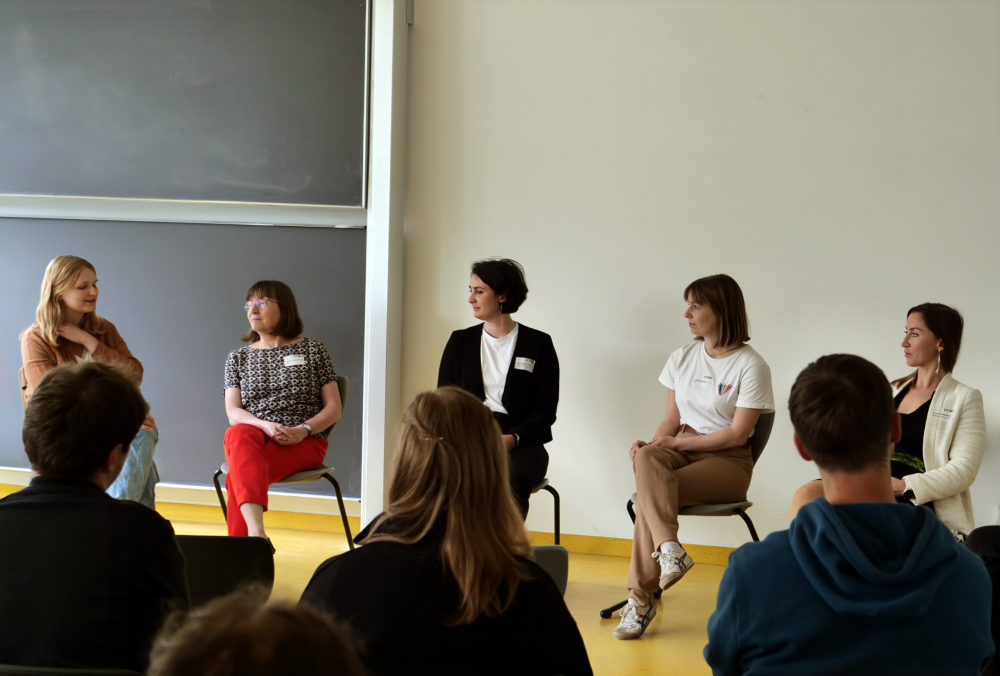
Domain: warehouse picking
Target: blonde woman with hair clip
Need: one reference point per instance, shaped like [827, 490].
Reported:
[450, 554]
[68, 329]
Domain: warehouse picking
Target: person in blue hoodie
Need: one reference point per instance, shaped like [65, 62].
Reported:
[858, 584]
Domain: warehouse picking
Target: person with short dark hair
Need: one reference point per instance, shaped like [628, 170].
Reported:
[510, 367]
[717, 387]
[85, 580]
[858, 584]
[943, 437]
[281, 399]
[242, 635]
[451, 546]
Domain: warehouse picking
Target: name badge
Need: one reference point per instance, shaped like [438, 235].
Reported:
[943, 414]
[295, 360]
[525, 364]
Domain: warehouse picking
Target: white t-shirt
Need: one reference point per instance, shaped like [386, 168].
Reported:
[708, 391]
[495, 355]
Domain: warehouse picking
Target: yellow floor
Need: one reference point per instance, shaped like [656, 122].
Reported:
[672, 644]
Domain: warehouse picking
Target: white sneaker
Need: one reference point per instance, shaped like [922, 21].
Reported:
[635, 619]
[673, 565]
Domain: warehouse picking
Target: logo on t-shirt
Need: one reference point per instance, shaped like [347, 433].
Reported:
[723, 388]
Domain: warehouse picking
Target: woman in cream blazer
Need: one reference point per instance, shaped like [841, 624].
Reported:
[943, 425]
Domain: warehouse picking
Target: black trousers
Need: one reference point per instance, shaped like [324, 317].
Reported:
[985, 541]
[528, 465]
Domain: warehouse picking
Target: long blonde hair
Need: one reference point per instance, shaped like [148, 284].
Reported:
[451, 462]
[60, 274]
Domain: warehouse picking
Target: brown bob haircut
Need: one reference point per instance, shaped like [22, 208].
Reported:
[842, 408]
[78, 414]
[241, 635]
[290, 324]
[723, 295]
[946, 324]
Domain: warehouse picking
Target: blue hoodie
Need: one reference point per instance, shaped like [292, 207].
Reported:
[865, 588]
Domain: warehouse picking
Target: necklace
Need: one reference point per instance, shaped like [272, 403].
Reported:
[716, 356]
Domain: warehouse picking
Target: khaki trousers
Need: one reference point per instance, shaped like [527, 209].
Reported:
[667, 480]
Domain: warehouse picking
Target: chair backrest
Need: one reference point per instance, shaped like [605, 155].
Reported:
[23, 382]
[18, 670]
[218, 565]
[344, 387]
[761, 433]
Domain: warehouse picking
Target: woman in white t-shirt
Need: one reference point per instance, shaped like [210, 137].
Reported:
[700, 453]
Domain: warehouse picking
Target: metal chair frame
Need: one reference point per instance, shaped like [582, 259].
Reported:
[545, 486]
[761, 434]
[323, 472]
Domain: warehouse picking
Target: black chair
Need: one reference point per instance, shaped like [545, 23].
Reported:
[544, 486]
[17, 670]
[761, 433]
[323, 472]
[554, 560]
[217, 565]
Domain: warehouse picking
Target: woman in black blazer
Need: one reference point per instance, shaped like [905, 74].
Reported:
[511, 368]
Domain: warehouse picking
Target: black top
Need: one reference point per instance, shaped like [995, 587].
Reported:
[85, 580]
[397, 599]
[530, 397]
[908, 457]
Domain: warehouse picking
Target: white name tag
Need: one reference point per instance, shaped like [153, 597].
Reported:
[295, 360]
[525, 364]
[943, 414]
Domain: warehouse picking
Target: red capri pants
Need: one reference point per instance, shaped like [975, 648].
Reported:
[256, 462]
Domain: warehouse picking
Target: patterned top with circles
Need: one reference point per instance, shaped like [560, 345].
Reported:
[282, 384]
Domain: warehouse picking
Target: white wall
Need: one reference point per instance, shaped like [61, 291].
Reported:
[840, 159]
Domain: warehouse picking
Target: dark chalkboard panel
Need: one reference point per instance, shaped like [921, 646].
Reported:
[175, 292]
[260, 101]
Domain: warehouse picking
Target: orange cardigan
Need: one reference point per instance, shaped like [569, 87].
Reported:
[39, 357]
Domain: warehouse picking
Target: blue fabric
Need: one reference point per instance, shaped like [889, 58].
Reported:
[139, 476]
[861, 589]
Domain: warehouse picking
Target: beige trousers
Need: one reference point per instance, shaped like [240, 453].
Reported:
[667, 480]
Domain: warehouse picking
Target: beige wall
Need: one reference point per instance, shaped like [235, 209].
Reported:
[840, 159]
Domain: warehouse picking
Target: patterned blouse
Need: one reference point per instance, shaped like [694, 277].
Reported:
[282, 384]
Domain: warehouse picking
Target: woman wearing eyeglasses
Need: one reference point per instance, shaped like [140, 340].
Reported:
[281, 397]
[67, 328]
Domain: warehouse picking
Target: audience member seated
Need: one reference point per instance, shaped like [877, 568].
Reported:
[512, 368]
[985, 541]
[85, 580]
[67, 329]
[859, 584]
[241, 635]
[281, 398]
[943, 426]
[717, 387]
[443, 583]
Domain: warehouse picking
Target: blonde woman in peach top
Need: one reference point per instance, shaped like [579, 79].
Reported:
[67, 329]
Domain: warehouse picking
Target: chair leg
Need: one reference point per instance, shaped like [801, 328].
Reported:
[218, 491]
[631, 510]
[343, 512]
[607, 612]
[748, 522]
[555, 506]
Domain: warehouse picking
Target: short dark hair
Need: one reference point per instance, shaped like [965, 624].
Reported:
[290, 323]
[724, 296]
[240, 635]
[841, 408]
[506, 278]
[77, 415]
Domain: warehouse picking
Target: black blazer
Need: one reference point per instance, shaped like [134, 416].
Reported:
[85, 580]
[530, 397]
[358, 587]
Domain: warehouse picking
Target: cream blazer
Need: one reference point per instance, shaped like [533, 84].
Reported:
[954, 442]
